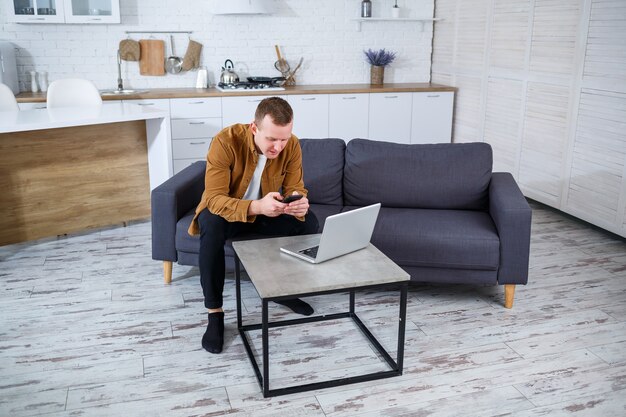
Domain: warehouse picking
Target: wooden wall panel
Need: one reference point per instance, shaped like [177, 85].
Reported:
[471, 22]
[509, 34]
[599, 156]
[503, 120]
[544, 141]
[605, 54]
[468, 114]
[554, 33]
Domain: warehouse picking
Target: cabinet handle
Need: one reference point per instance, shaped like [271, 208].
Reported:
[146, 104]
[40, 107]
[391, 96]
[36, 18]
[197, 143]
[196, 123]
[432, 95]
[349, 98]
[309, 99]
[96, 18]
[254, 101]
[196, 102]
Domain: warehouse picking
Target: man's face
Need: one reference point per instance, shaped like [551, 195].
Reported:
[269, 138]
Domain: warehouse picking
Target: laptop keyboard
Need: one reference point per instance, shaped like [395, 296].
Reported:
[312, 252]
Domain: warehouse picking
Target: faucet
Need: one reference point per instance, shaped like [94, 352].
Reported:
[120, 84]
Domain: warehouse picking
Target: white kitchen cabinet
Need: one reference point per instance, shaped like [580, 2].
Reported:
[160, 103]
[390, 117]
[92, 11]
[310, 115]
[240, 109]
[347, 116]
[431, 120]
[63, 11]
[194, 123]
[35, 11]
[31, 106]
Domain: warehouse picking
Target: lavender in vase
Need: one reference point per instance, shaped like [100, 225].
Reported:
[378, 61]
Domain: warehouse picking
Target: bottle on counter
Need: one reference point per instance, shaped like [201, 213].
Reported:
[43, 81]
[366, 8]
[33, 82]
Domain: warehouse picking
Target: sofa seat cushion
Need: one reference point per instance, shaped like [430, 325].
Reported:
[191, 244]
[185, 242]
[453, 239]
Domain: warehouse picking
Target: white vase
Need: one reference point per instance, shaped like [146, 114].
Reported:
[43, 81]
[33, 82]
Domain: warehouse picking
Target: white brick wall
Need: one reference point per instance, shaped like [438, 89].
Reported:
[320, 31]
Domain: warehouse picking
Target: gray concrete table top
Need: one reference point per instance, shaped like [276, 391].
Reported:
[276, 274]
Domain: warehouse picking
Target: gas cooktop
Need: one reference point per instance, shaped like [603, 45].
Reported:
[243, 86]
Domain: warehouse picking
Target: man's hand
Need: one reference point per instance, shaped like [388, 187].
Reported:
[297, 208]
[269, 205]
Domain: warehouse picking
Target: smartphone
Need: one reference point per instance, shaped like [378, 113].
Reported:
[292, 198]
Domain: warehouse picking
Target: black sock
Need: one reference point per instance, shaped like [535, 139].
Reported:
[213, 338]
[297, 305]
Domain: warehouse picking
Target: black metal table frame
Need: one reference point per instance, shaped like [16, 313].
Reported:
[263, 378]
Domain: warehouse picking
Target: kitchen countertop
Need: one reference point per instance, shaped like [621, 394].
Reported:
[25, 120]
[166, 93]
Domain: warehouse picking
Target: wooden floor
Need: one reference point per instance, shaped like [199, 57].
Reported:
[87, 328]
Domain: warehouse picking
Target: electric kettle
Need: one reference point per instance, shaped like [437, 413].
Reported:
[229, 76]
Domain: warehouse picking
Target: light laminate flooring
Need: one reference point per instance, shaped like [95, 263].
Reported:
[87, 328]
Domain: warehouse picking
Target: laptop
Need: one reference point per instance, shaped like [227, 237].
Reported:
[343, 233]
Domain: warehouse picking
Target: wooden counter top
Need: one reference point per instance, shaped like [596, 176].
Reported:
[166, 93]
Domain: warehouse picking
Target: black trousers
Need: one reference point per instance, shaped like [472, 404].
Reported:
[215, 230]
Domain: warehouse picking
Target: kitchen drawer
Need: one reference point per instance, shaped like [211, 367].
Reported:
[31, 106]
[159, 104]
[180, 164]
[241, 109]
[182, 108]
[195, 128]
[190, 148]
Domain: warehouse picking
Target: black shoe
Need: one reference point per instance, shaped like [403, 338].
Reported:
[213, 338]
[297, 306]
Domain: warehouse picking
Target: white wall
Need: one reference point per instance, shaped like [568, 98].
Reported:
[544, 82]
[320, 31]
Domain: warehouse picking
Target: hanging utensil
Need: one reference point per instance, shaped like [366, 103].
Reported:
[293, 73]
[281, 65]
[173, 64]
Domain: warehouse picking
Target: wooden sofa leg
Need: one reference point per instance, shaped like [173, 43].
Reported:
[509, 294]
[167, 271]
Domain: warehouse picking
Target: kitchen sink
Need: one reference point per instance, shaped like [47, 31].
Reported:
[121, 92]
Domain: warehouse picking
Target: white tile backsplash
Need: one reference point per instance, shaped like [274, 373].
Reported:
[321, 31]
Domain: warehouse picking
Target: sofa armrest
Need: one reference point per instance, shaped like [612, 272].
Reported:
[171, 201]
[512, 216]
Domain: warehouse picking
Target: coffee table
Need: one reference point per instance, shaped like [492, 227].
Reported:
[278, 276]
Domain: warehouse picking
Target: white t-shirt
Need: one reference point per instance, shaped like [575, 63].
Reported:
[254, 189]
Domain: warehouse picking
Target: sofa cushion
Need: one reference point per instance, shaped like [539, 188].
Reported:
[184, 241]
[457, 239]
[438, 176]
[322, 162]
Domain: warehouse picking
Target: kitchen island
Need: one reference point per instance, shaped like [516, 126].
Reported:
[70, 169]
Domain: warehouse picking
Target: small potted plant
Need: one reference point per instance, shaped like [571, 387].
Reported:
[378, 61]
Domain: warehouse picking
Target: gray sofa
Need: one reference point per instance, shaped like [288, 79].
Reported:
[445, 216]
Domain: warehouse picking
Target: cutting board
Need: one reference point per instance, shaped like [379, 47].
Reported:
[152, 61]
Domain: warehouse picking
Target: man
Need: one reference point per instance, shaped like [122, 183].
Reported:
[246, 167]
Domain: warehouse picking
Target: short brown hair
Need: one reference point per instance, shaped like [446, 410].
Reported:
[279, 110]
